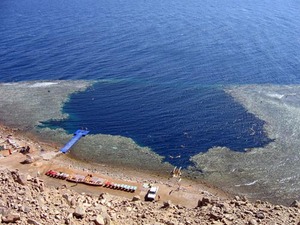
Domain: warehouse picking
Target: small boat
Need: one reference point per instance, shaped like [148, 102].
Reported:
[134, 188]
[48, 172]
[126, 187]
[62, 175]
[51, 173]
[96, 181]
[129, 188]
[108, 184]
[121, 186]
[90, 180]
[118, 186]
[76, 178]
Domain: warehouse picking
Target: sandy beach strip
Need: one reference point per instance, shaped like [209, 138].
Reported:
[46, 156]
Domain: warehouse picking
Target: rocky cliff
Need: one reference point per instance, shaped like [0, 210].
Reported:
[26, 200]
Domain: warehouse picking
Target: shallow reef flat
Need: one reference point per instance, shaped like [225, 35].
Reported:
[25, 105]
[271, 172]
[112, 150]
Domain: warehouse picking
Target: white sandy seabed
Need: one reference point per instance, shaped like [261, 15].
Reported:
[271, 173]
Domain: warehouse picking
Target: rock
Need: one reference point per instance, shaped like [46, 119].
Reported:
[114, 223]
[52, 207]
[237, 198]
[244, 198]
[79, 212]
[68, 198]
[217, 223]
[32, 221]
[57, 216]
[171, 222]
[4, 211]
[29, 159]
[252, 222]
[105, 196]
[136, 198]
[67, 221]
[2, 203]
[99, 220]
[258, 202]
[225, 207]
[277, 207]
[167, 204]
[226, 222]
[295, 204]
[215, 216]
[204, 202]
[229, 217]
[11, 218]
[113, 216]
[42, 187]
[29, 178]
[260, 215]
[25, 209]
[21, 179]
[73, 202]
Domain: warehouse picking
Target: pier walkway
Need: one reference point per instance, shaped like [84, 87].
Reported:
[77, 135]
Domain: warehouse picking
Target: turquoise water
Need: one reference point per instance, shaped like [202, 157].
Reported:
[161, 65]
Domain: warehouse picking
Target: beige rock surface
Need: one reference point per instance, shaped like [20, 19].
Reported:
[29, 204]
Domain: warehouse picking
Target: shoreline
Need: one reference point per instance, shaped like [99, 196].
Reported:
[235, 173]
[57, 201]
[187, 193]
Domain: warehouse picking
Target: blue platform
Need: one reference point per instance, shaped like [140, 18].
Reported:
[77, 135]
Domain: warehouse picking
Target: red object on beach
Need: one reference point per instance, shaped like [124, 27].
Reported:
[51, 173]
[108, 184]
[48, 172]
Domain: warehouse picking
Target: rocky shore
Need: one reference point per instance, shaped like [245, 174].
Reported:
[27, 196]
[27, 200]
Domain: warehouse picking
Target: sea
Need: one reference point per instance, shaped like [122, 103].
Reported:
[160, 66]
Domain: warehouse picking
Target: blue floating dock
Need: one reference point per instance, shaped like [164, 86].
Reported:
[77, 135]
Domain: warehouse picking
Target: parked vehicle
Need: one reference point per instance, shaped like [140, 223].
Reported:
[151, 195]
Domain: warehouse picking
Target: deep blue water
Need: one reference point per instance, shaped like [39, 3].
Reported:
[164, 63]
[175, 122]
